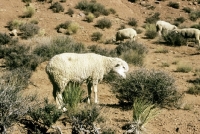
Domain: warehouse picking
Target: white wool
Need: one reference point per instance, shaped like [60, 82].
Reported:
[162, 26]
[127, 33]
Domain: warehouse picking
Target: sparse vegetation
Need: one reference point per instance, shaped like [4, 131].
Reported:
[29, 12]
[197, 26]
[96, 36]
[90, 17]
[194, 15]
[29, 30]
[174, 39]
[183, 68]
[104, 23]
[151, 32]
[14, 24]
[195, 90]
[4, 39]
[57, 7]
[71, 27]
[132, 22]
[70, 11]
[161, 50]
[173, 5]
[155, 86]
[152, 19]
[187, 9]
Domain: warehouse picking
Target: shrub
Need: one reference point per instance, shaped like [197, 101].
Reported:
[194, 15]
[96, 36]
[13, 106]
[57, 7]
[143, 112]
[197, 26]
[28, 30]
[173, 4]
[4, 39]
[27, 1]
[132, 22]
[104, 23]
[195, 90]
[161, 50]
[45, 116]
[180, 19]
[183, 68]
[72, 96]
[72, 28]
[151, 85]
[14, 24]
[89, 17]
[56, 46]
[62, 0]
[64, 25]
[174, 39]
[112, 10]
[97, 49]
[70, 11]
[187, 9]
[153, 18]
[151, 31]
[29, 12]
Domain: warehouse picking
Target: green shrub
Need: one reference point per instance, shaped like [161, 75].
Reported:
[197, 26]
[96, 36]
[72, 96]
[187, 9]
[72, 28]
[104, 23]
[29, 30]
[97, 49]
[29, 12]
[195, 90]
[194, 15]
[70, 11]
[151, 85]
[56, 46]
[64, 25]
[143, 112]
[112, 10]
[90, 17]
[57, 7]
[152, 19]
[151, 31]
[174, 39]
[4, 39]
[173, 4]
[161, 50]
[34, 21]
[183, 68]
[180, 19]
[132, 22]
[45, 116]
[14, 24]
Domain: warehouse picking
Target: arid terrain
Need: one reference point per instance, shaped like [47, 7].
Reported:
[168, 121]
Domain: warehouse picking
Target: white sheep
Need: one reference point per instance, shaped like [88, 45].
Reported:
[71, 67]
[127, 33]
[189, 33]
[162, 26]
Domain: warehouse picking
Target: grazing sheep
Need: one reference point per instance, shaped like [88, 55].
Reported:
[189, 33]
[162, 26]
[127, 33]
[72, 67]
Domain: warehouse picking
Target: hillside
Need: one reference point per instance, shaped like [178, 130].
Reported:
[169, 121]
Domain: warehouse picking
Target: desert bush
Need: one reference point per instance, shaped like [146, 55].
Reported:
[29, 12]
[97, 49]
[90, 17]
[57, 7]
[12, 105]
[161, 50]
[4, 39]
[104, 23]
[70, 11]
[180, 19]
[183, 68]
[151, 31]
[194, 15]
[143, 112]
[72, 96]
[96, 36]
[27, 1]
[72, 28]
[152, 85]
[42, 117]
[174, 39]
[14, 24]
[173, 4]
[64, 25]
[93, 7]
[111, 10]
[132, 22]
[152, 19]
[139, 31]
[34, 21]
[56, 46]
[29, 30]
[62, 0]
[195, 89]
[187, 9]
[197, 26]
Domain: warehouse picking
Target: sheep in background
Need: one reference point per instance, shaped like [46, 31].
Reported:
[189, 33]
[162, 26]
[72, 67]
[127, 33]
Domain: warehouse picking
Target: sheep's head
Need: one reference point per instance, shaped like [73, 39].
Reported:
[121, 67]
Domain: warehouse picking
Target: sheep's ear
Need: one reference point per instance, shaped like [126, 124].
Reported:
[117, 65]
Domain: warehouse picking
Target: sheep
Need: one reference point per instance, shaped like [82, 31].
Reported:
[162, 26]
[127, 33]
[189, 33]
[90, 67]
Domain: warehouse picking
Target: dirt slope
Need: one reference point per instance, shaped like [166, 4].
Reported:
[178, 121]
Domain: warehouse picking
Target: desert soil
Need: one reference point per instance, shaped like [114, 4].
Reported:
[169, 121]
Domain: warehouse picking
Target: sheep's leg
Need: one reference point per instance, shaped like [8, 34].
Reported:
[89, 86]
[95, 93]
[59, 101]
